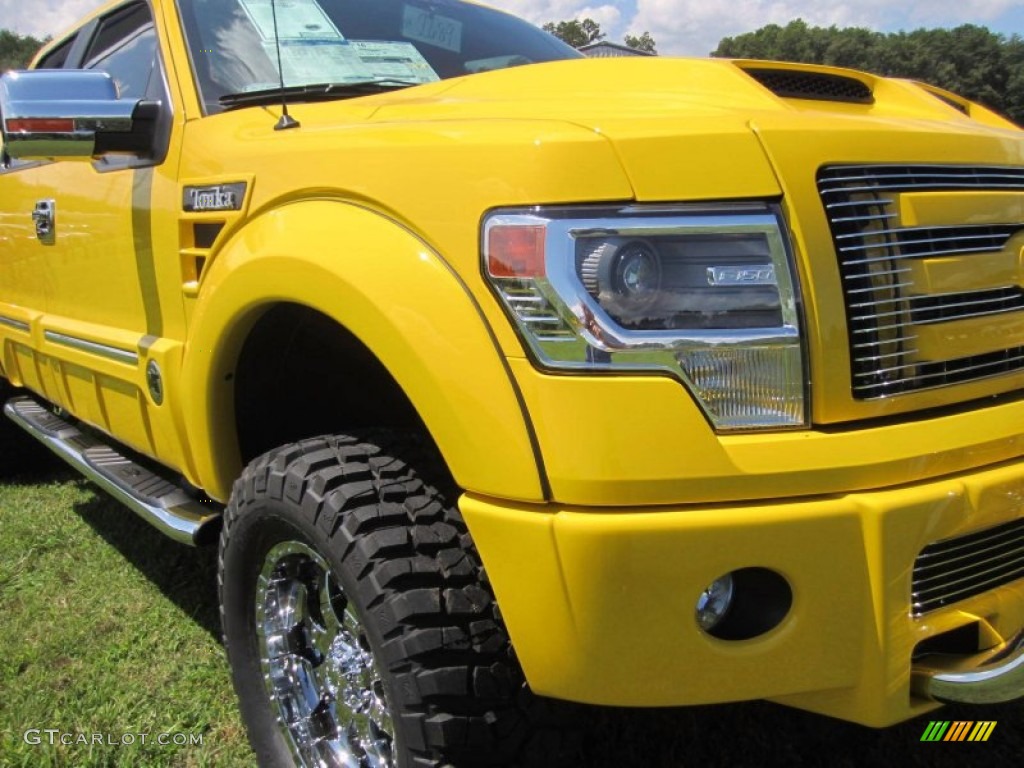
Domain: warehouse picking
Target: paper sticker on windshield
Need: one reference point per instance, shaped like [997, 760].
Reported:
[306, 62]
[432, 29]
[296, 20]
[394, 61]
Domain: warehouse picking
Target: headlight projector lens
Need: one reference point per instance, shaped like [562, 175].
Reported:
[628, 273]
[637, 271]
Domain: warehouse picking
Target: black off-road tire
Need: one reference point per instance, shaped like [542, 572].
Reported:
[405, 561]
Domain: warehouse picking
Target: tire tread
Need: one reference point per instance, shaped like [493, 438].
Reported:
[463, 697]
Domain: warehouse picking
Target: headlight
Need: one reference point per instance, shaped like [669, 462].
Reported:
[704, 293]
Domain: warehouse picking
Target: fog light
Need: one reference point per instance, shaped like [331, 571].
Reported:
[714, 602]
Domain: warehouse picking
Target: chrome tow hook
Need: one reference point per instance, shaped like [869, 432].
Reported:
[989, 677]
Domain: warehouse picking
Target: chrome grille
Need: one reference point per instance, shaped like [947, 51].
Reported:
[956, 569]
[884, 309]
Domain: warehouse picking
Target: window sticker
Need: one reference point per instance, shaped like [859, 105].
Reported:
[394, 60]
[306, 62]
[313, 50]
[296, 20]
[432, 29]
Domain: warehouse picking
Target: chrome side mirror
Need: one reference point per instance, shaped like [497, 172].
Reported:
[71, 113]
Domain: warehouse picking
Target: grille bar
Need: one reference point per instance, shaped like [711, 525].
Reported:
[868, 217]
[887, 357]
[960, 580]
[861, 203]
[879, 273]
[966, 546]
[897, 231]
[954, 569]
[964, 240]
[929, 254]
[941, 307]
[968, 570]
[883, 305]
[1003, 292]
[955, 371]
[925, 311]
[894, 340]
[918, 176]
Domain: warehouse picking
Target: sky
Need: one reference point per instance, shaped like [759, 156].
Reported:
[680, 27]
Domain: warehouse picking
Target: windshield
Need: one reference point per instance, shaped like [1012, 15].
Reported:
[232, 43]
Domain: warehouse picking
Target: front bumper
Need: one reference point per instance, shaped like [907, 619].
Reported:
[600, 603]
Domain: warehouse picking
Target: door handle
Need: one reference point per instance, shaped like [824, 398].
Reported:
[45, 216]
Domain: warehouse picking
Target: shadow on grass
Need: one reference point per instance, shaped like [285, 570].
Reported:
[187, 576]
[24, 461]
[40, 473]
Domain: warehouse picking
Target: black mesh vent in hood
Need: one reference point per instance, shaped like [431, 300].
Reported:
[824, 86]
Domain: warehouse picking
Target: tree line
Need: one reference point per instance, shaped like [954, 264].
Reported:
[581, 32]
[968, 60]
[16, 50]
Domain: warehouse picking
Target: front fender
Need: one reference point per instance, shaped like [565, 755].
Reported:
[396, 295]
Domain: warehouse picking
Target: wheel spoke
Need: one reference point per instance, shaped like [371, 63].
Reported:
[296, 688]
[350, 624]
[324, 632]
[288, 606]
[320, 674]
[379, 712]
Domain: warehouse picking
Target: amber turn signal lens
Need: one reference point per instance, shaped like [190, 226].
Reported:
[515, 251]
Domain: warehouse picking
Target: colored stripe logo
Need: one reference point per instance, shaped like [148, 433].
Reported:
[958, 730]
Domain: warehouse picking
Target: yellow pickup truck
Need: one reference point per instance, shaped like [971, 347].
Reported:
[708, 373]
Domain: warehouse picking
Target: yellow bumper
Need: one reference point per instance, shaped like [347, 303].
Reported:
[600, 603]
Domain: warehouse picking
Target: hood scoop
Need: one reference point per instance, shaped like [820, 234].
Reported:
[803, 84]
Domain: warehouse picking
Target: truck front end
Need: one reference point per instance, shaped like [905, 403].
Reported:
[777, 400]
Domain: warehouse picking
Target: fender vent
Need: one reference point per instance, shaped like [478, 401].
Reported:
[797, 84]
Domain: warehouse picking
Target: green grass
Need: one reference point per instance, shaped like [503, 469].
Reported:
[109, 628]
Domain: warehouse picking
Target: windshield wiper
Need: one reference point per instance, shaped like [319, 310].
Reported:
[314, 92]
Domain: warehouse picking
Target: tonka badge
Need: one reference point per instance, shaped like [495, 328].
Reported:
[217, 197]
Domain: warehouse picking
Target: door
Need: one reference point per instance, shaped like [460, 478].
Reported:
[111, 294]
[24, 250]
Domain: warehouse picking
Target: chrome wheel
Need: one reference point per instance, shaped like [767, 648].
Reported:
[317, 667]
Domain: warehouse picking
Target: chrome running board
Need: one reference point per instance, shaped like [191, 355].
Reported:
[166, 506]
